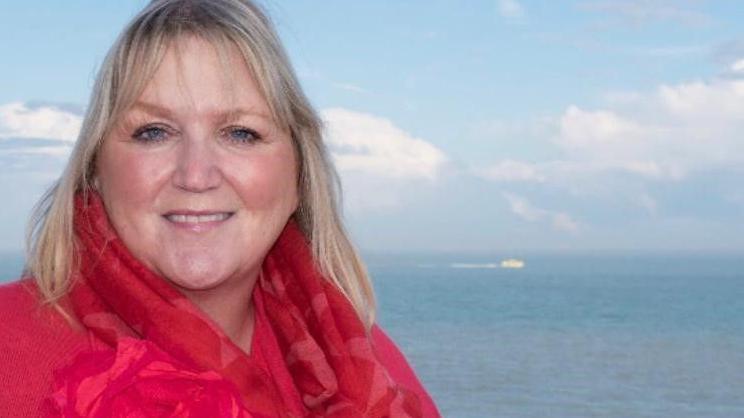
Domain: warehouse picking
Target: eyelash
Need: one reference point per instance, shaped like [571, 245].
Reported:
[255, 137]
[232, 129]
[145, 129]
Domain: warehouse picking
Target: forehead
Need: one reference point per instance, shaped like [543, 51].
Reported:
[196, 76]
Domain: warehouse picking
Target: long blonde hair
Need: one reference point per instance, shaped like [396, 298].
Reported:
[129, 64]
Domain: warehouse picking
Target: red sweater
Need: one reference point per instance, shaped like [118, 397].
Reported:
[37, 339]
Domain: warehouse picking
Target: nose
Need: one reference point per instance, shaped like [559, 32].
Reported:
[197, 168]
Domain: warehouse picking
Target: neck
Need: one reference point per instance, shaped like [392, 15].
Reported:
[230, 306]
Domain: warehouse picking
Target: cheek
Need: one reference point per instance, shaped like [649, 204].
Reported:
[267, 181]
[132, 178]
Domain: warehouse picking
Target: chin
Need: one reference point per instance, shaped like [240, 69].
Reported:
[197, 276]
[196, 282]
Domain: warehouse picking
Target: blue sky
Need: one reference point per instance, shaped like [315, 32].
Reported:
[481, 125]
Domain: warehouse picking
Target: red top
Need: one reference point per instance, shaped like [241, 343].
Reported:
[37, 339]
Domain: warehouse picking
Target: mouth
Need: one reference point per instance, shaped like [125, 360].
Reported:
[197, 221]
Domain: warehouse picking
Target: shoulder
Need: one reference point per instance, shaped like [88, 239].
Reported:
[397, 366]
[19, 307]
[28, 325]
[17, 291]
[23, 313]
[35, 339]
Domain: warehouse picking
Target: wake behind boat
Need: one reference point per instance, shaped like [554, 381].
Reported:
[511, 263]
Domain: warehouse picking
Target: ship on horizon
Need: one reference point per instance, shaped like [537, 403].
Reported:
[512, 263]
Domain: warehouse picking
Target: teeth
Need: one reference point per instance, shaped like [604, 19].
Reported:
[192, 219]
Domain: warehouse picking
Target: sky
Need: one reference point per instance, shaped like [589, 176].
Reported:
[489, 126]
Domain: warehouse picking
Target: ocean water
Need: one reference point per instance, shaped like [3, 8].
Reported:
[613, 335]
[571, 335]
[11, 265]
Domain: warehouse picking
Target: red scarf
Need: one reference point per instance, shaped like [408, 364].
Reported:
[327, 367]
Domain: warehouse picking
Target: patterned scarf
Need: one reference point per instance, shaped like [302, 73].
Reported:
[326, 363]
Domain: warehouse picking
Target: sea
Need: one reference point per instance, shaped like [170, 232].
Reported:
[601, 334]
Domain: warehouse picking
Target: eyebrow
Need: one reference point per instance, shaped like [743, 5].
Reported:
[227, 114]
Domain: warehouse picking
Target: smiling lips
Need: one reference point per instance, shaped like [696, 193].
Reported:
[197, 221]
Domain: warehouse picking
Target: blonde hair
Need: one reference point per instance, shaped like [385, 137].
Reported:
[129, 64]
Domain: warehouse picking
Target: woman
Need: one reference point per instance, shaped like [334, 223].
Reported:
[191, 260]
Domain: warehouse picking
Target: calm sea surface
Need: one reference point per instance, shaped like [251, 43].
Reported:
[613, 335]
[571, 336]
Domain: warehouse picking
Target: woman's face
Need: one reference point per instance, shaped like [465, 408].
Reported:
[196, 178]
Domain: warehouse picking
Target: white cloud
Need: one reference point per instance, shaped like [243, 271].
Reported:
[606, 141]
[671, 133]
[581, 130]
[677, 134]
[379, 163]
[525, 210]
[373, 145]
[703, 101]
[511, 9]
[738, 66]
[36, 139]
[18, 120]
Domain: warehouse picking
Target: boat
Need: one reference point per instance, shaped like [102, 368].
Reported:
[512, 263]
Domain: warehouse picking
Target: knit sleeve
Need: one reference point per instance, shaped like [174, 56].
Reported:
[397, 365]
[34, 341]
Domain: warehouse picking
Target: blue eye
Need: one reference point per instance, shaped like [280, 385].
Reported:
[242, 135]
[150, 134]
